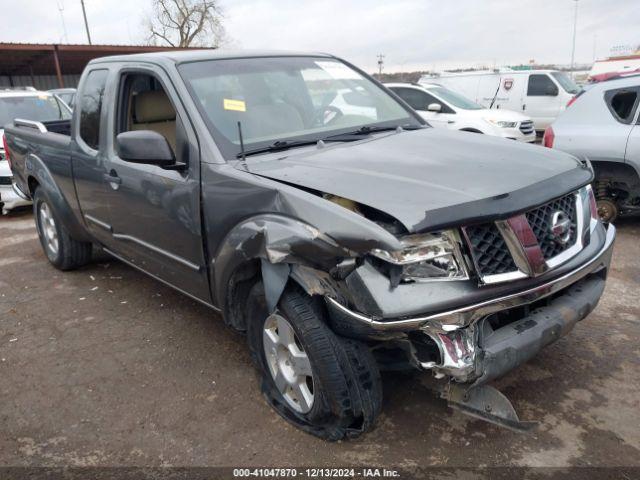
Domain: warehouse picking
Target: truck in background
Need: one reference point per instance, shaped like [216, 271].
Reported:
[539, 94]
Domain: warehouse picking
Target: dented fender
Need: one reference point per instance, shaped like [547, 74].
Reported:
[278, 224]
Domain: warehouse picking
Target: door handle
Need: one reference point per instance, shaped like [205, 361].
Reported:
[113, 179]
[524, 106]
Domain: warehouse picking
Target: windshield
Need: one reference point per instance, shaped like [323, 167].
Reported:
[286, 99]
[455, 99]
[565, 82]
[40, 108]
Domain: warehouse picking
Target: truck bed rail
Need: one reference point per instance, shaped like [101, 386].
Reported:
[19, 122]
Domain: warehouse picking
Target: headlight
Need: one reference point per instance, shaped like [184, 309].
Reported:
[502, 123]
[427, 256]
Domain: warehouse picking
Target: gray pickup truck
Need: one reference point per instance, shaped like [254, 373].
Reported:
[323, 218]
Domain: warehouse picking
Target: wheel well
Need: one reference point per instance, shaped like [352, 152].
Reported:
[32, 183]
[240, 283]
[617, 172]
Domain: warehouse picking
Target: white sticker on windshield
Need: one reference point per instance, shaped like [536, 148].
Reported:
[339, 71]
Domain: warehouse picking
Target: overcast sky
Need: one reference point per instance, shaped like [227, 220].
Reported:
[413, 34]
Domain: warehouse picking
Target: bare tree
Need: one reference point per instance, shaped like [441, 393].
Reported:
[186, 23]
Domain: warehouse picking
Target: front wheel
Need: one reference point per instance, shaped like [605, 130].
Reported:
[64, 252]
[607, 210]
[324, 384]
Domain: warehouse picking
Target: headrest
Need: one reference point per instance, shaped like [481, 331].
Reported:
[152, 106]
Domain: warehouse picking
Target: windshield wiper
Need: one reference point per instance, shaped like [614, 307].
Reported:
[367, 129]
[281, 145]
[277, 146]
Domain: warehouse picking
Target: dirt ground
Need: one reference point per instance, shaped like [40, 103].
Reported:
[105, 366]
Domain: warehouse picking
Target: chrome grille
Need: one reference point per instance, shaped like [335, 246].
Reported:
[490, 252]
[526, 127]
[493, 257]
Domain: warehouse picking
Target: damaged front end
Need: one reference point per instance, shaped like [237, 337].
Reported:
[437, 304]
[468, 301]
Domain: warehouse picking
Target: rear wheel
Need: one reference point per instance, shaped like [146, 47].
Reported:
[64, 252]
[324, 384]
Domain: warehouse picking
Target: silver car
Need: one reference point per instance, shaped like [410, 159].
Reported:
[601, 125]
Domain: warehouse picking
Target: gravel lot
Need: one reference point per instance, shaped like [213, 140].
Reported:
[104, 366]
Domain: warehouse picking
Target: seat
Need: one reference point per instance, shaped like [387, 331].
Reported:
[152, 110]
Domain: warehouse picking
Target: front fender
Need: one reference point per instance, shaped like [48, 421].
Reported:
[275, 240]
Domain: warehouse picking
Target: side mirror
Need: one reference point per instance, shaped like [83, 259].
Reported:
[434, 107]
[144, 146]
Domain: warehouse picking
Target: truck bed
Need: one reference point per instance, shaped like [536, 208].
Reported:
[33, 142]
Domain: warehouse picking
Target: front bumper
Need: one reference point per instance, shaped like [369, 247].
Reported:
[516, 134]
[459, 317]
[503, 349]
[470, 348]
[10, 199]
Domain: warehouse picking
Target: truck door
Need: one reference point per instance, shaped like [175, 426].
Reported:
[542, 101]
[155, 210]
[88, 161]
[512, 88]
[623, 101]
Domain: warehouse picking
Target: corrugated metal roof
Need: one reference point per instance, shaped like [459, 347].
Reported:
[39, 59]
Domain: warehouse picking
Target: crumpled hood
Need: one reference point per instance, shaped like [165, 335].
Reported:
[414, 175]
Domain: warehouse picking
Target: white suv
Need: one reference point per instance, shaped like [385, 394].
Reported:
[27, 104]
[444, 108]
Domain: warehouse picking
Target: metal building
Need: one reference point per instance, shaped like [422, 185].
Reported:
[47, 66]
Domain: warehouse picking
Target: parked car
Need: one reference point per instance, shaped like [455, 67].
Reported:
[444, 108]
[602, 126]
[341, 247]
[67, 95]
[26, 103]
[540, 94]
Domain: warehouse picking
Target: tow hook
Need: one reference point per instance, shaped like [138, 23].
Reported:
[486, 403]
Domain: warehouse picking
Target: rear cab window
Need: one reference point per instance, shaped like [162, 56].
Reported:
[41, 108]
[90, 105]
[622, 104]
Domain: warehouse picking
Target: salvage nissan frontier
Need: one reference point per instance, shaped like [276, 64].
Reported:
[323, 218]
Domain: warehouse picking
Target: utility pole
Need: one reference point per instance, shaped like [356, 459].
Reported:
[86, 24]
[64, 25]
[573, 49]
[380, 63]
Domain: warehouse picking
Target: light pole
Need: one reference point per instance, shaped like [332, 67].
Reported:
[573, 49]
[86, 24]
[380, 63]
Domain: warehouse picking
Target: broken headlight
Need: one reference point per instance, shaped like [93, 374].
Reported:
[434, 256]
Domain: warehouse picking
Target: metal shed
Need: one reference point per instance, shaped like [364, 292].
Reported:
[46, 66]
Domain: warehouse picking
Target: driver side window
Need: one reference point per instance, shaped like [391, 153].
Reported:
[417, 99]
[143, 104]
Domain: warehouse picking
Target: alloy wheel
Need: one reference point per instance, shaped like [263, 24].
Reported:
[48, 229]
[288, 363]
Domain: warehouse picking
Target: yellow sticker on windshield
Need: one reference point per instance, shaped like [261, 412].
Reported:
[237, 105]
